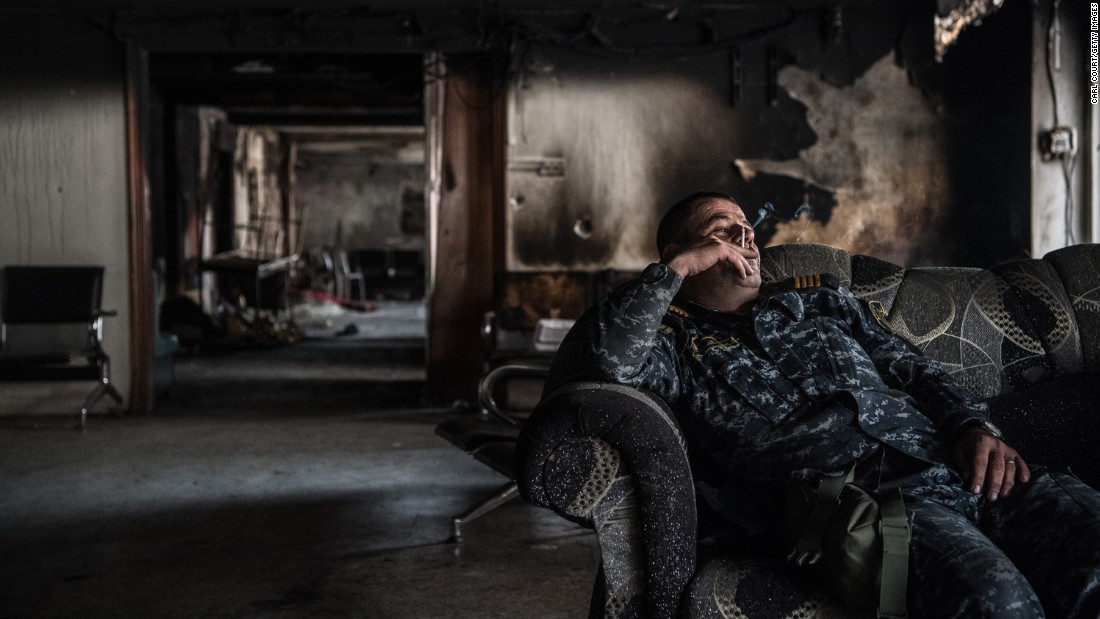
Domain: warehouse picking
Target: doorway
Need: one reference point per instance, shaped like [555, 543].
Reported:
[289, 208]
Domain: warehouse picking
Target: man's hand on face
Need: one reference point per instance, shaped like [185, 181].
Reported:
[702, 253]
[987, 462]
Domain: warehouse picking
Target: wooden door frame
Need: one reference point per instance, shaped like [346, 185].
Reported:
[142, 328]
[465, 237]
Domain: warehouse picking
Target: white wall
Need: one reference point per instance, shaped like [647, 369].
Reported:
[63, 193]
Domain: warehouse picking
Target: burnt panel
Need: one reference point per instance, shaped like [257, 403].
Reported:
[600, 147]
[530, 296]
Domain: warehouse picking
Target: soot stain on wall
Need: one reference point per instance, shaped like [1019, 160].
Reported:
[631, 138]
[880, 152]
[361, 199]
[620, 142]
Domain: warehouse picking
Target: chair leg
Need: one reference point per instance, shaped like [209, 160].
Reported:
[103, 388]
[505, 493]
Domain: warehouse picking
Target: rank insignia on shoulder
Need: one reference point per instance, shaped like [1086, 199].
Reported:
[816, 280]
[677, 310]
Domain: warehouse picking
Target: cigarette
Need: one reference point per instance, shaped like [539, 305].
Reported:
[742, 237]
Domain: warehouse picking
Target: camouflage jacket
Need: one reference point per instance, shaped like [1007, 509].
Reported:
[806, 381]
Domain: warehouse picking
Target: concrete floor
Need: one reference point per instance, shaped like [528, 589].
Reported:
[298, 481]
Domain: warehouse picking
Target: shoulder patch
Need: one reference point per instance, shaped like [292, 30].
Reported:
[679, 311]
[879, 313]
[817, 280]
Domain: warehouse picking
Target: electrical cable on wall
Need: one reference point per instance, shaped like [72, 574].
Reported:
[1068, 161]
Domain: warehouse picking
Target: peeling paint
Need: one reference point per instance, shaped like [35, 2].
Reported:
[881, 151]
[965, 13]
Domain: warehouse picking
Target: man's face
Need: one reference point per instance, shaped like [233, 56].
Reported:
[725, 221]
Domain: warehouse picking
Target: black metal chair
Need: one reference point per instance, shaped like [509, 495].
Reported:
[491, 437]
[51, 328]
[514, 358]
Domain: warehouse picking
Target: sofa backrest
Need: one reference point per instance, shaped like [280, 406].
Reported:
[996, 330]
[1078, 268]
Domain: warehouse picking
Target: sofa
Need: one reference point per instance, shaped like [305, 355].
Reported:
[1023, 336]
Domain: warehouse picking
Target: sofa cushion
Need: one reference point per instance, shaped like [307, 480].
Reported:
[973, 322]
[1047, 309]
[1055, 423]
[995, 330]
[1079, 269]
[876, 282]
[760, 589]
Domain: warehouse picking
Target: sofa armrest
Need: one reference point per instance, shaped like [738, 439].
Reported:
[600, 454]
[1054, 423]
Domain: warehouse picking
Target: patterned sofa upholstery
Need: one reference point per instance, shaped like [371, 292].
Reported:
[1023, 336]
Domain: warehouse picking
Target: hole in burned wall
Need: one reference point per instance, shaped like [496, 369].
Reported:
[582, 228]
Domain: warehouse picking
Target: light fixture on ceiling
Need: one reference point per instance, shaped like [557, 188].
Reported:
[253, 66]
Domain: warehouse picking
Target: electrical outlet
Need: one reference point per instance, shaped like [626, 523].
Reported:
[1059, 143]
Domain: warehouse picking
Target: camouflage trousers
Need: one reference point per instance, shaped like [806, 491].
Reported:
[1033, 554]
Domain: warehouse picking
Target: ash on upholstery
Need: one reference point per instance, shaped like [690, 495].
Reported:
[572, 456]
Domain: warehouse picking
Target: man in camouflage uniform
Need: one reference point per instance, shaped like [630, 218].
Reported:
[766, 382]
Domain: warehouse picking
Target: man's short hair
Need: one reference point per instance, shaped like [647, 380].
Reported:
[672, 224]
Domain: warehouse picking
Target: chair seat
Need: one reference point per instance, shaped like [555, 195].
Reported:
[14, 360]
[498, 456]
[45, 366]
[471, 434]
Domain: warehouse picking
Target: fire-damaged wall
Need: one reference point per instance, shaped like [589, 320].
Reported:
[848, 126]
[599, 147]
[261, 227]
[363, 193]
[205, 143]
[880, 154]
[594, 155]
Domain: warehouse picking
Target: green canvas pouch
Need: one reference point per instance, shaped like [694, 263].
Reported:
[858, 543]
